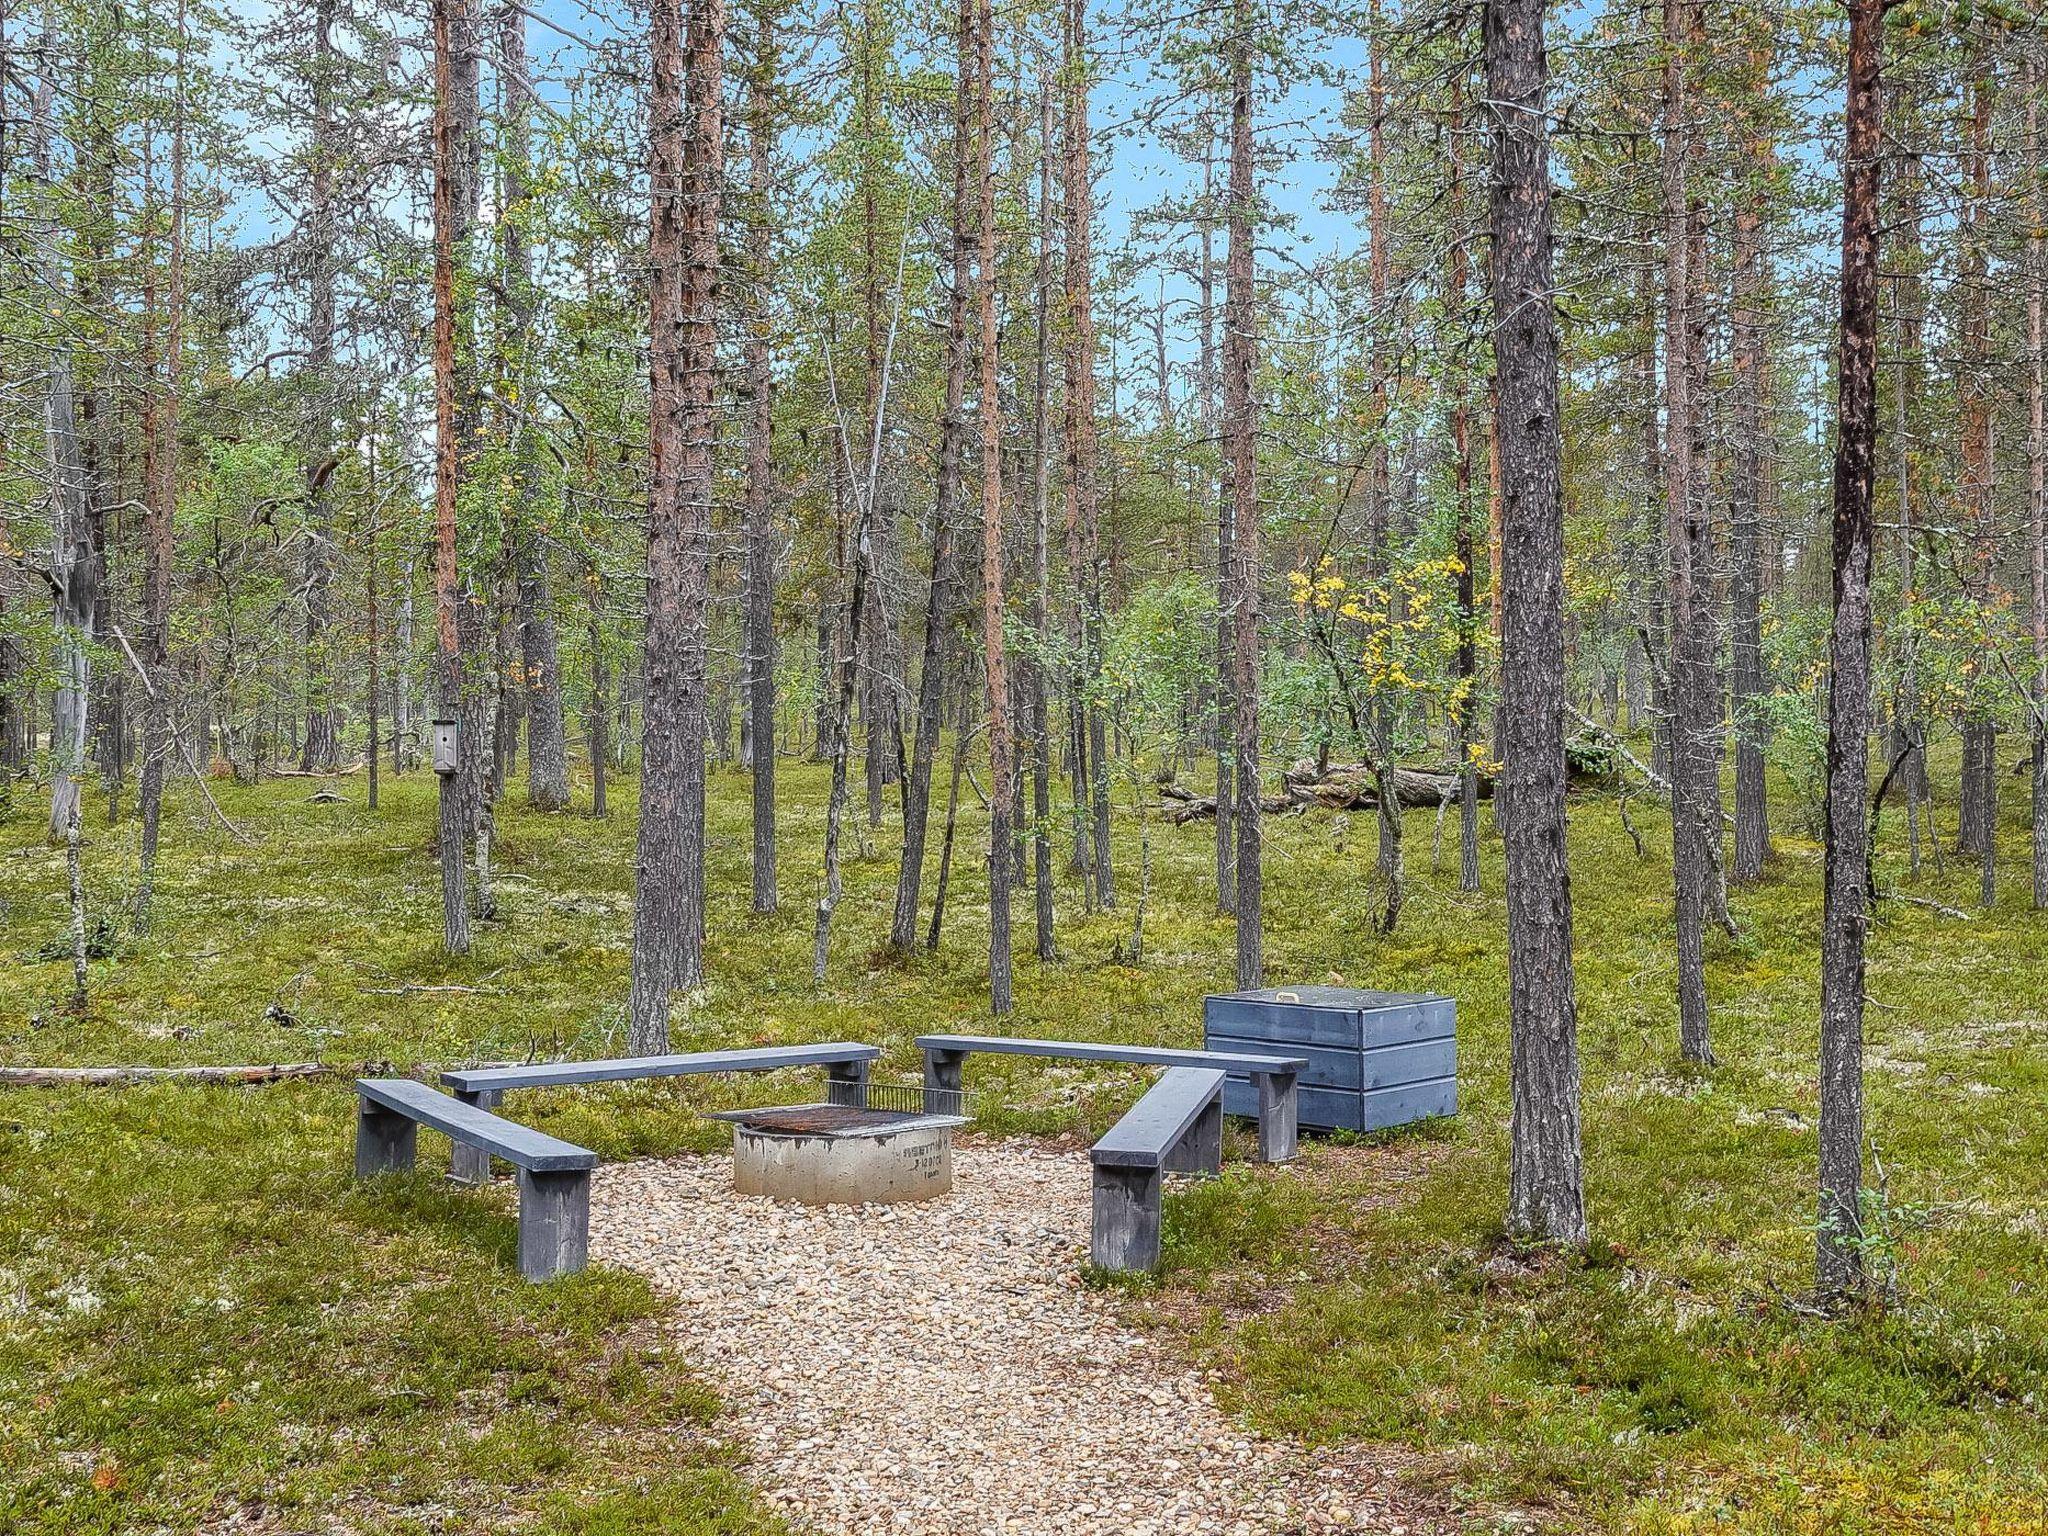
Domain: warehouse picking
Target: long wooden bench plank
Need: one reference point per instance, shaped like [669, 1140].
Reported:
[1275, 1077]
[1177, 1127]
[554, 1176]
[1237, 1064]
[621, 1069]
[534, 1151]
[1151, 1128]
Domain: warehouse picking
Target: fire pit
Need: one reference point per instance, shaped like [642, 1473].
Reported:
[865, 1153]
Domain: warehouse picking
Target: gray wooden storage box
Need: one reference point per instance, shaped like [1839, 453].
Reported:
[1375, 1059]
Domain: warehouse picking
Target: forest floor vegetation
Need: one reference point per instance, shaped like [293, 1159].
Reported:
[208, 1326]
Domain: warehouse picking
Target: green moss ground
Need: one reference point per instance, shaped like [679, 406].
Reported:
[199, 1314]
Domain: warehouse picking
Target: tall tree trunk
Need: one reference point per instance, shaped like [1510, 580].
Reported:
[1546, 1195]
[1385, 709]
[1978, 813]
[1226, 783]
[322, 747]
[1746, 679]
[946, 513]
[876, 638]
[1083, 514]
[1000, 785]
[2037, 470]
[1464, 716]
[160, 456]
[759, 614]
[1041, 543]
[540, 700]
[75, 569]
[686, 164]
[450, 23]
[1685, 537]
[1240, 427]
[1910, 297]
[1845, 908]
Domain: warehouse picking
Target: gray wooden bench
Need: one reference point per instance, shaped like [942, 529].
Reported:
[554, 1176]
[845, 1062]
[1177, 1127]
[1274, 1077]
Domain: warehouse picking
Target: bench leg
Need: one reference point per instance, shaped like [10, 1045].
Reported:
[386, 1141]
[1124, 1231]
[944, 1071]
[554, 1223]
[846, 1082]
[468, 1164]
[1201, 1149]
[1279, 1116]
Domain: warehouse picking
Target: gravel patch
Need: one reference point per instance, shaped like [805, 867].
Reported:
[939, 1369]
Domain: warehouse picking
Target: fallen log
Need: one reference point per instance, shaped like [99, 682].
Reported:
[1354, 787]
[115, 1077]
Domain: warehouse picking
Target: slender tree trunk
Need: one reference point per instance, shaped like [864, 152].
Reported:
[1041, 544]
[454, 824]
[547, 752]
[1461, 445]
[1685, 537]
[1240, 432]
[1384, 708]
[160, 449]
[1225, 724]
[1746, 679]
[1546, 1194]
[686, 164]
[322, 747]
[1978, 812]
[75, 568]
[1001, 810]
[876, 637]
[598, 724]
[1083, 514]
[2037, 470]
[1910, 291]
[1845, 909]
[946, 514]
[760, 508]
[847, 673]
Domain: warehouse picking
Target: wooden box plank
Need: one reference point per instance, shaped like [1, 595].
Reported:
[1328, 1066]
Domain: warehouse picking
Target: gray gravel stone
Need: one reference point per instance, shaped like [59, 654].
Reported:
[939, 1369]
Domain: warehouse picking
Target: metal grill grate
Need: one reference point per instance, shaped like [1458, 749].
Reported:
[897, 1098]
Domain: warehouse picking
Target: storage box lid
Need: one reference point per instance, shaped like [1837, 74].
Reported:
[1347, 999]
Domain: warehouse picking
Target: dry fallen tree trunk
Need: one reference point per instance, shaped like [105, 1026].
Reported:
[1339, 787]
[115, 1077]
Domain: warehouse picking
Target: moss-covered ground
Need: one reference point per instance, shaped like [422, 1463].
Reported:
[202, 1319]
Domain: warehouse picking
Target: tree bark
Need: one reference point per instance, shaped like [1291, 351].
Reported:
[322, 745]
[76, 570]
[448, 210]
[160, 474]
[1977, 815]
[1685, 538]
[759, 605]
[2037, 471]
[1751, 359]
[1464, 715]
[547, 752]
[1083, 506]
[1546, 1195]
[1041, 543]
[1845, 908]
[686, 165]
[940, 598]
[1001, 810]
[1241, 451]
